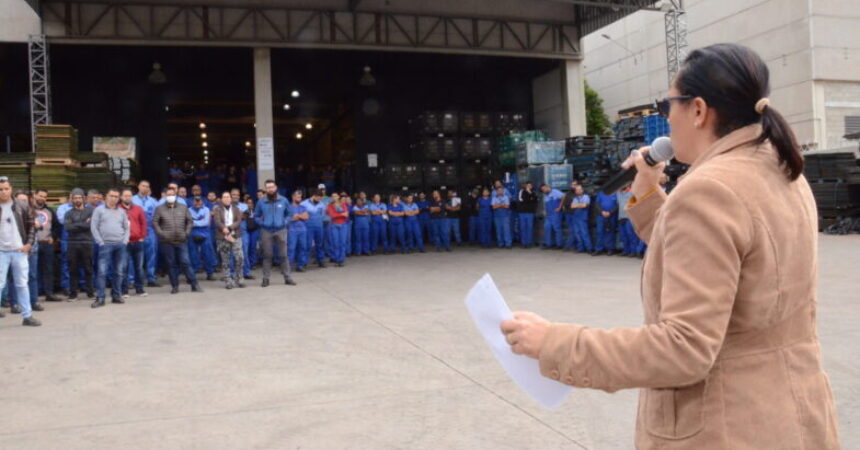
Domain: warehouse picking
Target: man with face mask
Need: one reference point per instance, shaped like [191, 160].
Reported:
[173, 224]
[272, 214]
[47, 233]
[80, 250]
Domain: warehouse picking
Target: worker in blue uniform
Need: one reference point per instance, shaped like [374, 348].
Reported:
[396, 224]
[424, 217]
[501, 205]
[526, 208]
[439, 220]
[200, 239]
[552, 234]
[316, 210]
[485, 218]
[361, 211]
[607, 222]
[144, 199]
[378, 227]
[414, 239]
[297, 232]
[581, 205]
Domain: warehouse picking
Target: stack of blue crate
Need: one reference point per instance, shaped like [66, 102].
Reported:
[655, 126]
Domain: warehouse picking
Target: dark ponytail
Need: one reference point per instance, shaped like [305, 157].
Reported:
[732, 79]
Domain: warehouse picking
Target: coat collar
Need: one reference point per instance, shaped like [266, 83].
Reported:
[731, 141]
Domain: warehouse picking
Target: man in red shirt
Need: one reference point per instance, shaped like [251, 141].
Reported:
[135, 249]
[339, 213]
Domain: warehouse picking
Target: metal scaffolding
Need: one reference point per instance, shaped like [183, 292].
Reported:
[40, 88]
[676, 37]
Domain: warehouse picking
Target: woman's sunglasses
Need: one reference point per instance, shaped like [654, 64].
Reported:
[665, 105]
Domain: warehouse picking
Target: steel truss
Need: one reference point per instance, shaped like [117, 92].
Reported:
[101, 22]
[40, 88]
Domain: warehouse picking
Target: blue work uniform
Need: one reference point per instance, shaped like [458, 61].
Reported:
[362, 230]
[150, 243]
[378, 227]
[424, 220]
[485, 221]
[439, 220]
[64, 246]
[314, 226]
[581, 231]
[397, 228]
[606, 225]
[200, 241]
[414, 239]
[629, 240]
[297, 232]
[502, 221]
[552, 234]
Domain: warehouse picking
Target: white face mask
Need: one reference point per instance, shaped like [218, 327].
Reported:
[171, 199]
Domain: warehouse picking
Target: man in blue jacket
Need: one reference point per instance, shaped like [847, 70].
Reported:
[272, 214]
[200, 240]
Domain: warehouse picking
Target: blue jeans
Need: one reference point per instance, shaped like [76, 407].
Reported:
[17, 263]
[527, 228]
[112, 261]
[441, 238]
[503, 231]
[454, 227]
[297, 242]
[175, 257]
[249, 242]
[552, 229]
[136, 273]
[32, 278]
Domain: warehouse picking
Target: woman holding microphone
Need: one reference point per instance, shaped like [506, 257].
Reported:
[729, 356]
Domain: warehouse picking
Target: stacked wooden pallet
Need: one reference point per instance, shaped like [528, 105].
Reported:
[56, 144]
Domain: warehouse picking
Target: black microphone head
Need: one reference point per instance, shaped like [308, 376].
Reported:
[661, 150]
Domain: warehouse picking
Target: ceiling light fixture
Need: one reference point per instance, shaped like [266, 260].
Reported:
[308, 126]
[295, 94]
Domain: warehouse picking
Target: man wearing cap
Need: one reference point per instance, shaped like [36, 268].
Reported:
[200, 240]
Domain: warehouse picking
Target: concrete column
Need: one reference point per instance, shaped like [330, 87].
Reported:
[263, 114]
[573, 95]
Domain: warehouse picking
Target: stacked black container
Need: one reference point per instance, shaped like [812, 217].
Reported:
[835, 182]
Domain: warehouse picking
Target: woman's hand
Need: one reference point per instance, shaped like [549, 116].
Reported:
[526, 333]
[647, 177]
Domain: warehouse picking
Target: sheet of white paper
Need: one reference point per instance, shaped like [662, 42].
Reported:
[488, 309]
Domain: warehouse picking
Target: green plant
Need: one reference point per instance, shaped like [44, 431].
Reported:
[596, 121]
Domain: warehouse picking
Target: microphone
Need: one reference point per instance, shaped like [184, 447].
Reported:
[661, 150]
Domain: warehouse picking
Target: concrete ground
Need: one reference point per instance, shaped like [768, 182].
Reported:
[380, 354]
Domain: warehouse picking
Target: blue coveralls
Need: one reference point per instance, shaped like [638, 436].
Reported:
[580, 231]
[314, 229]
[527, 224]
[64, 246]
[362, 231]
[414, 239]
[485, 220]
[552, 222]
[200, 241]
[397, 228]
[606, 225]
[297, 237]
[378, 227]
[502, 221]
[338, 232]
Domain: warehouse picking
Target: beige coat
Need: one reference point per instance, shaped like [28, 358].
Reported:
[729, 357]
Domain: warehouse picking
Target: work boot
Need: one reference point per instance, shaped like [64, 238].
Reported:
[52, 298]
[196, 288]
[72, 296]
[322, 265]
[210, 277]
[98, 303]
[15, 309]
[265, 282]
[174, 289]
[37, 307]
[289, 281]
[153, 284]
[249, 277]
[240, 285]
[31, 322]
[118, 300]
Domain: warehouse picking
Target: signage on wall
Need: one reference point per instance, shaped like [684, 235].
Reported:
[116, 147]
[265, 153]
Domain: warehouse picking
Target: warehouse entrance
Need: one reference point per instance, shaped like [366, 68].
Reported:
[341, 115]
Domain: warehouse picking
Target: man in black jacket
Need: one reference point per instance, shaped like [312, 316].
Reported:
[80, 249]
[173, 223]
[527, 201]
